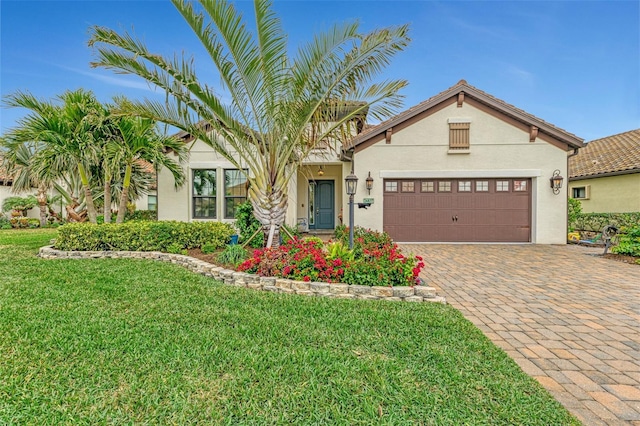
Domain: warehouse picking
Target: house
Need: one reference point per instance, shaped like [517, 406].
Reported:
[605, 174]
[462, 166]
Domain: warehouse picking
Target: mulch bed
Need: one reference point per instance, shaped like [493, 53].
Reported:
[622, 258]
[198, 254]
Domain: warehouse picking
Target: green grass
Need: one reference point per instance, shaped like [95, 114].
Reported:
[124, 341]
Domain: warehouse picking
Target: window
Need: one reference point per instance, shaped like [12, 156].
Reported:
[519, 185]
[464, 186]
[502, 186]
[152, 202]
[408, 187]
[580, 192]
[459, 135]
[235, 191]
[444, 186]
[204, 194]
[482, 186]
[426, 186]
[391, 186]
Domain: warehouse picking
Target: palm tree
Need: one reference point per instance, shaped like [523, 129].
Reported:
[16, 160]
[68, 136]
[138, 139]
[280, 106]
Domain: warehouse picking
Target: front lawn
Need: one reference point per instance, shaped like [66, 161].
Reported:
[124, 341]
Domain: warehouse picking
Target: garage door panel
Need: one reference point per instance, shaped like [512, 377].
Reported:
[483, 214]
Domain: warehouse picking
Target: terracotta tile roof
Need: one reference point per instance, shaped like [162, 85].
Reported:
[613, 154]
[481, 96]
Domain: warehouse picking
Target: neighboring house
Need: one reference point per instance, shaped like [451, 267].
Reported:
[148, 201]
[605, 174]
[461, 166]
[6, 182]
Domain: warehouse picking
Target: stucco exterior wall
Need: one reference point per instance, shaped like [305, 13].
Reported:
[497, 149]
[176, 204]
[5, 192]
[610, 194]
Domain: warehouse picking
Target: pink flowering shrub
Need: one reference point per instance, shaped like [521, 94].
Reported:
[374, 260]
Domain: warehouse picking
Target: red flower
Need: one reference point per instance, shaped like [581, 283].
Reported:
[306, 278]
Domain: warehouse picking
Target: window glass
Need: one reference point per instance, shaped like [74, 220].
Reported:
[408, 187]
[444, 186]
[464, 186]
[152, 202]
[204, 194]
[235, 191]
[427, 186]
[502, 185]
[391, 186]
[579, 192]
[519, 185]
[482, 186]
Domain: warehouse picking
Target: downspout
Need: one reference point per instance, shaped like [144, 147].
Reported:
[575, 152]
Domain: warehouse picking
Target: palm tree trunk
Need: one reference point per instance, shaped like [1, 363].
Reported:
[107, 198]
[42, 204]
[270, 210]
[91, 207]
[124, 197]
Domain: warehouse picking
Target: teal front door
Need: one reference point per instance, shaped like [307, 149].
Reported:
[321, 204]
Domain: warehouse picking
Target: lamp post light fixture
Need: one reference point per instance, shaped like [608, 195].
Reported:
[369, 182]
[351, 182]
[556, 181]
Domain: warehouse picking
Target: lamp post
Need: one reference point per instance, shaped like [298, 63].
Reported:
[351, 182]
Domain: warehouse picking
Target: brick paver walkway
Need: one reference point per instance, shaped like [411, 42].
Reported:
[566, 315]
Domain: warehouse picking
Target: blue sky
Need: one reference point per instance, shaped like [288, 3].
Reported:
[575, 64]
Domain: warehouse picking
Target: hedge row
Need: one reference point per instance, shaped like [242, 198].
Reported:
[596, 221]
[165, 236]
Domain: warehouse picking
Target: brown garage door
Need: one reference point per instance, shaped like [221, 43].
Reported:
[458, 210]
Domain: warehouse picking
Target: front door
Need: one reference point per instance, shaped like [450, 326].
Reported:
[321, 204]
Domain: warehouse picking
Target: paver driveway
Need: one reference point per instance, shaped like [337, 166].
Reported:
[569, 317]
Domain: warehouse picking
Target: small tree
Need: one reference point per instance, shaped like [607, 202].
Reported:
[279, 106]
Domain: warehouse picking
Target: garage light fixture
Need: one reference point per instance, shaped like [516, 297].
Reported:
[369, 182]
[556, 181]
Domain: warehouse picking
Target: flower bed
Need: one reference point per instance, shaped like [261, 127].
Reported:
[374, 261]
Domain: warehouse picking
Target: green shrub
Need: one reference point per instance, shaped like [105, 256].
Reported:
[4, 222]
[629, 242]
[176, 248]
[596, 221]
[138, 215]
[142, 235]
[24, 222]
[209, 248]
[575, 210]
[247, 225]
[232, 255]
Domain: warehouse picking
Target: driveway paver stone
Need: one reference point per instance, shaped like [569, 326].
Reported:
[569, 317]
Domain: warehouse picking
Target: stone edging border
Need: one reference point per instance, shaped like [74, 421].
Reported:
[241, 279]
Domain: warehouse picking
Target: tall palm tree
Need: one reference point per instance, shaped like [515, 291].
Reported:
[68, 136]
[138, 139]
[280, 106]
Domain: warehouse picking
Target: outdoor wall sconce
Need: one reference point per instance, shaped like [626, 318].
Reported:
[556, 181]
[369, 182]
[351, 183]
[321, 171]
